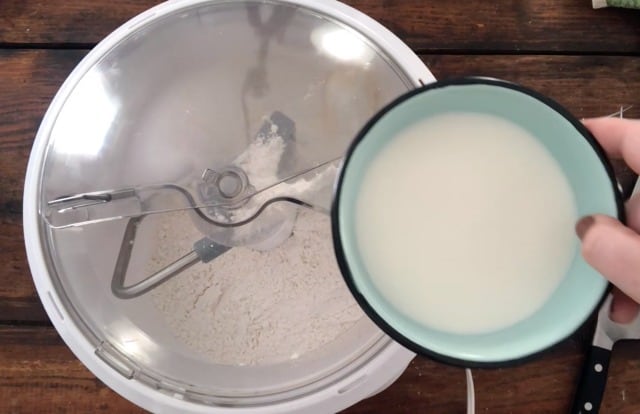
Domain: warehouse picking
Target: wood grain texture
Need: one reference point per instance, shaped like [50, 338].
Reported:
[586, 85]
[41, 375]
[28, 81]
[39, 371]
[513, 26]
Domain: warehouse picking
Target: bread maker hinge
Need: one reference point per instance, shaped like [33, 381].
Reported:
[116, 359]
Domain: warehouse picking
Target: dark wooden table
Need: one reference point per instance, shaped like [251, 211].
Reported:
[587, 60]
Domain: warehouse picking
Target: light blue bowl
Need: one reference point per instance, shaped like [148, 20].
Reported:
[581, 159]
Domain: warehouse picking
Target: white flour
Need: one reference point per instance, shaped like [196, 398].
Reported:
[260, 160]
[253, 308]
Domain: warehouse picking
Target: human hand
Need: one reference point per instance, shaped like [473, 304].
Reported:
[610, 247]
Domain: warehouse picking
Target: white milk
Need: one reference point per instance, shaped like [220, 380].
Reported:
[465, 223]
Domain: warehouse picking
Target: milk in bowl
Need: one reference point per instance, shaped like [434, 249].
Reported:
[472, 258]
[453, 220]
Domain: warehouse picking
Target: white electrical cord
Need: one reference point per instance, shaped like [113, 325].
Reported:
[471, 394]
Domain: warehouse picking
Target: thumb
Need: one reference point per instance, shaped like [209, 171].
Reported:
[613, 250]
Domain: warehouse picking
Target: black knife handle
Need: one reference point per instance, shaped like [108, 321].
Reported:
[592, 381]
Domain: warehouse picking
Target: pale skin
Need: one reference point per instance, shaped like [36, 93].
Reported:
[612, 248]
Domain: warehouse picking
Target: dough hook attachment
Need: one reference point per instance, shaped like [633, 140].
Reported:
[83, 208]
[204, 250]
[228, 205]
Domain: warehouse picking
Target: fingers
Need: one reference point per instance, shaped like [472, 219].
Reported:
[620, 138]
[633, 212]
[623, 308]
[613, 250]
[608, 246]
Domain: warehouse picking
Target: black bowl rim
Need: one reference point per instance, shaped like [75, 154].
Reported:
[335, 220]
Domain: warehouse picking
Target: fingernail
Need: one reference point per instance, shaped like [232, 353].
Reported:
[583, 225]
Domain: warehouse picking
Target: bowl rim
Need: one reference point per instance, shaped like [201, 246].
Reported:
[336, 222]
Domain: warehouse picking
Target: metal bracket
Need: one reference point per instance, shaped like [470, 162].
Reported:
[204, 250]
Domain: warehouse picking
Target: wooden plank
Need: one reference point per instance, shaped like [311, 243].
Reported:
[520, 26]
[586, 85]
[28, 81]
[515, 26]
[61, 21]
[40, 374]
